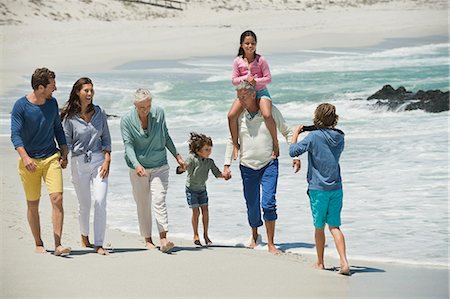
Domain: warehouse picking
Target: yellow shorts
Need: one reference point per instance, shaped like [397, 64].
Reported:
[49, 170]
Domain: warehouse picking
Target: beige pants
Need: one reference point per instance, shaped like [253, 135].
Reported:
[147, 191]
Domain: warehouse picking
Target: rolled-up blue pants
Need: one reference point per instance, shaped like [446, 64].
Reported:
[254, 181]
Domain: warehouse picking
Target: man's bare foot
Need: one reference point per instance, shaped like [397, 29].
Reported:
[208, 242]
[319, 266]
[236, 151]
[85, 242]
[40, 249]
[273, 249]
[100, 250]
[62, 251]
[254, 241]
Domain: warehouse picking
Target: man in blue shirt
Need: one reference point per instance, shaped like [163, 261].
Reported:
[35, 124]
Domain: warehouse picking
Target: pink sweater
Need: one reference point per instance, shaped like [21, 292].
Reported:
[259, 69]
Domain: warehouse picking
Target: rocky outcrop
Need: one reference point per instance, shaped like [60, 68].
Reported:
[400, 99]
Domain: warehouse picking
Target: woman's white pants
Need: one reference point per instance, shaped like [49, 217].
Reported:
[84, 176]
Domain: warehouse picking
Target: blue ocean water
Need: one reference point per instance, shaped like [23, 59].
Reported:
[395, 165]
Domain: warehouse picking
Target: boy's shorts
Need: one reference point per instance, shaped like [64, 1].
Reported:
[48, 169]
[263, 93]
[326, 207]
[196, 199]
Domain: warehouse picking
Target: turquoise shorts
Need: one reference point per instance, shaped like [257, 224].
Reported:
[326, 207]
[263, 93]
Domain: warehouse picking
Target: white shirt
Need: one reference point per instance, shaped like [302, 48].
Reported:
[255, 141]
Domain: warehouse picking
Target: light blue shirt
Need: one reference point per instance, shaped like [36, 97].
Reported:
[84, 138]
[324, 147]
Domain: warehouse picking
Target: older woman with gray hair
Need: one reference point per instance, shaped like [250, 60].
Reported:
[145, 137]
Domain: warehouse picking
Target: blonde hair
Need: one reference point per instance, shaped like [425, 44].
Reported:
[141, 95]
[325, 116]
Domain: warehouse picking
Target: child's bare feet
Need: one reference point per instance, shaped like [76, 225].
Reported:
[40, 249]
[100, 250]
[236, 148]
[319, 266]
[85, 242]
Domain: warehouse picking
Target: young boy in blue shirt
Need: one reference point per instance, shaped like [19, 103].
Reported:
[324, 146]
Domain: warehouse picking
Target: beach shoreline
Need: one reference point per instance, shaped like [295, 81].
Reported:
[130, 271]
[89, 45]
[86, 46]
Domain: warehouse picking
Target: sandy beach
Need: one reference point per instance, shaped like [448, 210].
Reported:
[101, 37]
[130, 271]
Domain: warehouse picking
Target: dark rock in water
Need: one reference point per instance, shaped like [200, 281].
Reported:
[430, 101]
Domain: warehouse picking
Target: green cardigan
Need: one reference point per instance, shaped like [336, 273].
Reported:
[146, 149]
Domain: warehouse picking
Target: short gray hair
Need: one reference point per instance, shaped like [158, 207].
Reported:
[141, 95]
[245, 85]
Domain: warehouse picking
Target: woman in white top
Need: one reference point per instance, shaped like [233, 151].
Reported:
[86, 129]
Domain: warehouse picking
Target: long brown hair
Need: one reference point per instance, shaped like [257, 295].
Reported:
[73, 105]
[243, 36]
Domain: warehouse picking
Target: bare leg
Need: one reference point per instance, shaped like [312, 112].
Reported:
[254, 237]
[85, 242]
[270, 229]
[195, 215]
[339, 240]
[266, 111]
[149, 243]
[235, 110]
[320, 247]
[35, 225]
[58, 218]
[205, 220]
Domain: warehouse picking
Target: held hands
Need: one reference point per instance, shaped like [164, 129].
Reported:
[63, 159]
[226, 173]
[181, 162]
